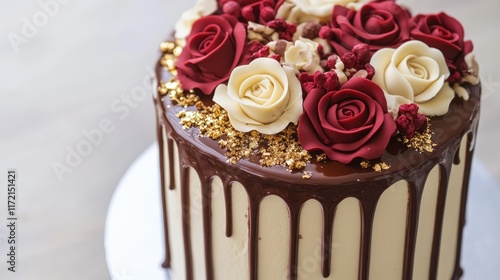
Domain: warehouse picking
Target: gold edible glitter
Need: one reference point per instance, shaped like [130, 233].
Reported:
[280, 149]
[378, 167]
[167, 47]
[306, 175]
[365, 164]
[421, 141]
[321, 157]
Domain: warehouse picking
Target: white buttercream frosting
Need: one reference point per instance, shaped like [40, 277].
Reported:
[298, 11]
[200, 9]
[414, 73]
[262, 96]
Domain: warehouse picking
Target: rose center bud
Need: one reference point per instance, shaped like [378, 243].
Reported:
[205, 45]
[379, 22]
[418, 70]
[440, 32]
[347, 112]
[261, 88]
[351, 114]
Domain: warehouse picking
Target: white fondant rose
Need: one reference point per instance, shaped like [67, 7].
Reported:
[262, 96]
[200, 9]
[298, 11]
[414, 73]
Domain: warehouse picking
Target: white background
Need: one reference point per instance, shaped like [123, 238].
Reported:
[75, 69]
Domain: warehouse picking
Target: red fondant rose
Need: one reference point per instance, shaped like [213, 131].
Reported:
[214, 48]
[350, 123]
[444, 33]
[377, 24]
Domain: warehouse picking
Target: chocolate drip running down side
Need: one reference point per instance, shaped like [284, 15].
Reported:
[330, 184]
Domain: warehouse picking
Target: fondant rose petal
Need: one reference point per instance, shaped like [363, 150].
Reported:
[438, 106]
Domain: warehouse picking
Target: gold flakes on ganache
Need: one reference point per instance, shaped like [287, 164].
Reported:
[279, 149]
[170, 52]
[377, 167]
[421, 142]
[306, 175]
[321, 157]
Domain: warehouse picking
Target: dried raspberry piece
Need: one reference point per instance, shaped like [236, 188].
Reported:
[267, 14]
[331, 81]
[409, 121]
[350, 60]
[232, 8]
[276, 57]
[362, 52]
[331, 62]
[319, 79]
[325, 32]
[247, 13]
[254, 46]
[263, 52]
[307, 87]
[304, 77]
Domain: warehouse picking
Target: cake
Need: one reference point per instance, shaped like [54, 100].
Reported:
[315, 140]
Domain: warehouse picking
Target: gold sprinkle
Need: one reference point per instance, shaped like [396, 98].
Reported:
[280, 149]
[167, 47]
[306, 175]
[177, 51]
[421, 142]
[365, 164]
[378, 167]
[321, 157]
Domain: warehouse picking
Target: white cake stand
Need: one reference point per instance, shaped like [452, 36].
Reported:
[135, 248]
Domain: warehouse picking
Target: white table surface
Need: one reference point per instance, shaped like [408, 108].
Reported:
[134, 243]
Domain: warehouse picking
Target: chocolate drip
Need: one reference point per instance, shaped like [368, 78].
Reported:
[465, 190]
[253, 236]
[456, 158]
[326, 255]
[207, 226]
[368, 207]
[159, 133]
[186, 219]
[444, 173]
[416, 190]
[171, 166]
[294, 211]
[330, 184]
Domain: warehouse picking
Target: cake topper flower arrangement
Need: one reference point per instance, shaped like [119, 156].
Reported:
[346, 75]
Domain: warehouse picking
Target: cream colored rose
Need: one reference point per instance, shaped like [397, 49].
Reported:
[298, 11]
[414, 73]
[200, 9]
[262, 96]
